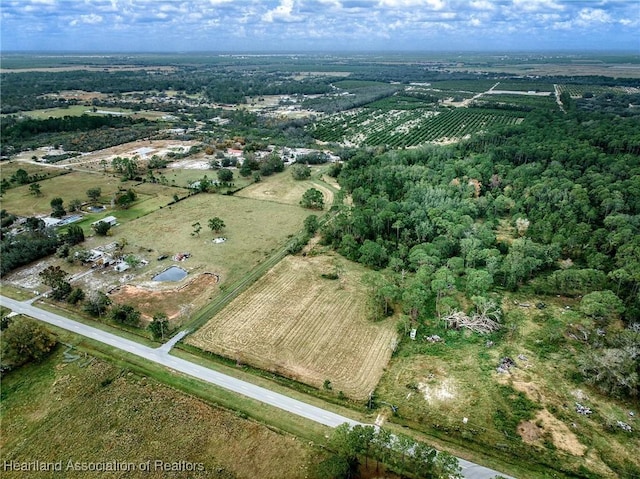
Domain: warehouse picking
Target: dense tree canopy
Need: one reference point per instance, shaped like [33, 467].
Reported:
[509, 203]
[25, 340]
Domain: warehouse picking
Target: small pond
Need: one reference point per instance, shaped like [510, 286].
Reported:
[171, 274]
[96, 209]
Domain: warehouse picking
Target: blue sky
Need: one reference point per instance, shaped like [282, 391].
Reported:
[319, 25]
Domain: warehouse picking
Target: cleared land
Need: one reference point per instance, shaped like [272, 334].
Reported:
[303, 326]
[282, 188]
[254, 230]
[74, 185]
[151, 229]
[436, 385]
[93, 411]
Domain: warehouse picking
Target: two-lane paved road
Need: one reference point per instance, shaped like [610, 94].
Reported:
[161, 356]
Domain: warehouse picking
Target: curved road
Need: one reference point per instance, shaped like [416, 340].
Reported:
[161, 356]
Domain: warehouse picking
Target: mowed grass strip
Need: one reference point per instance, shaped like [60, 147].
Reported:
[99, 412]
[298, 324]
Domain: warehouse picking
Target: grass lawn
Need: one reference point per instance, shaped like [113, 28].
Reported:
[75, 185]
[184, 177]
[91, 410]
[74, 110]
[8, 168]
[68, 187]
[254, 230]
[282, 188]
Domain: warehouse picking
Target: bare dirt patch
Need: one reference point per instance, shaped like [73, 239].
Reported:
[529, 432]
[175, 302]
[547, 424]
[296, 323]
[143, 149]
[190, 164]
[435, 390]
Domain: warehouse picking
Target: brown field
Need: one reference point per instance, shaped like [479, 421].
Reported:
[300, 325]
[175, 302]
[144, 149]
[282, 188]
[92, 411]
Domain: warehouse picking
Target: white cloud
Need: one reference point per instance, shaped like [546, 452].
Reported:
[483, 5]
[355, 24]
[91, 19]
[590, 16]
[282, 13]
[432, 4]
[475, 22]
[537, 5]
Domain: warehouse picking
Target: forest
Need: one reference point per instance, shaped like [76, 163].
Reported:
[550, 206]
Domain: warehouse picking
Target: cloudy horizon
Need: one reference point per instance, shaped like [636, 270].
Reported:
[319, 25]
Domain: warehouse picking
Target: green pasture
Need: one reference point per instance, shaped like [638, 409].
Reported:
[20, 201]
[8, 169]
[529, 101]
[72, 186]
[254, 230]
[455, 86]
[184, 177]
[78, 110]
[525, 86]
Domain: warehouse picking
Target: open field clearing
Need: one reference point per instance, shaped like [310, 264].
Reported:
[254, 230]
[83, 110]
[74, 185]
[303, 326]
[92, 411]
[282, 188]
[529, 410]
[143, 149]
[185, 172]
[174, 301]
[629, 70]
[111, 68]
[100, 160]
[8, 168]
[150, 229]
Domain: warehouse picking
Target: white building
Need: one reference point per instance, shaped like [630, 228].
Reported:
[110, 220]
